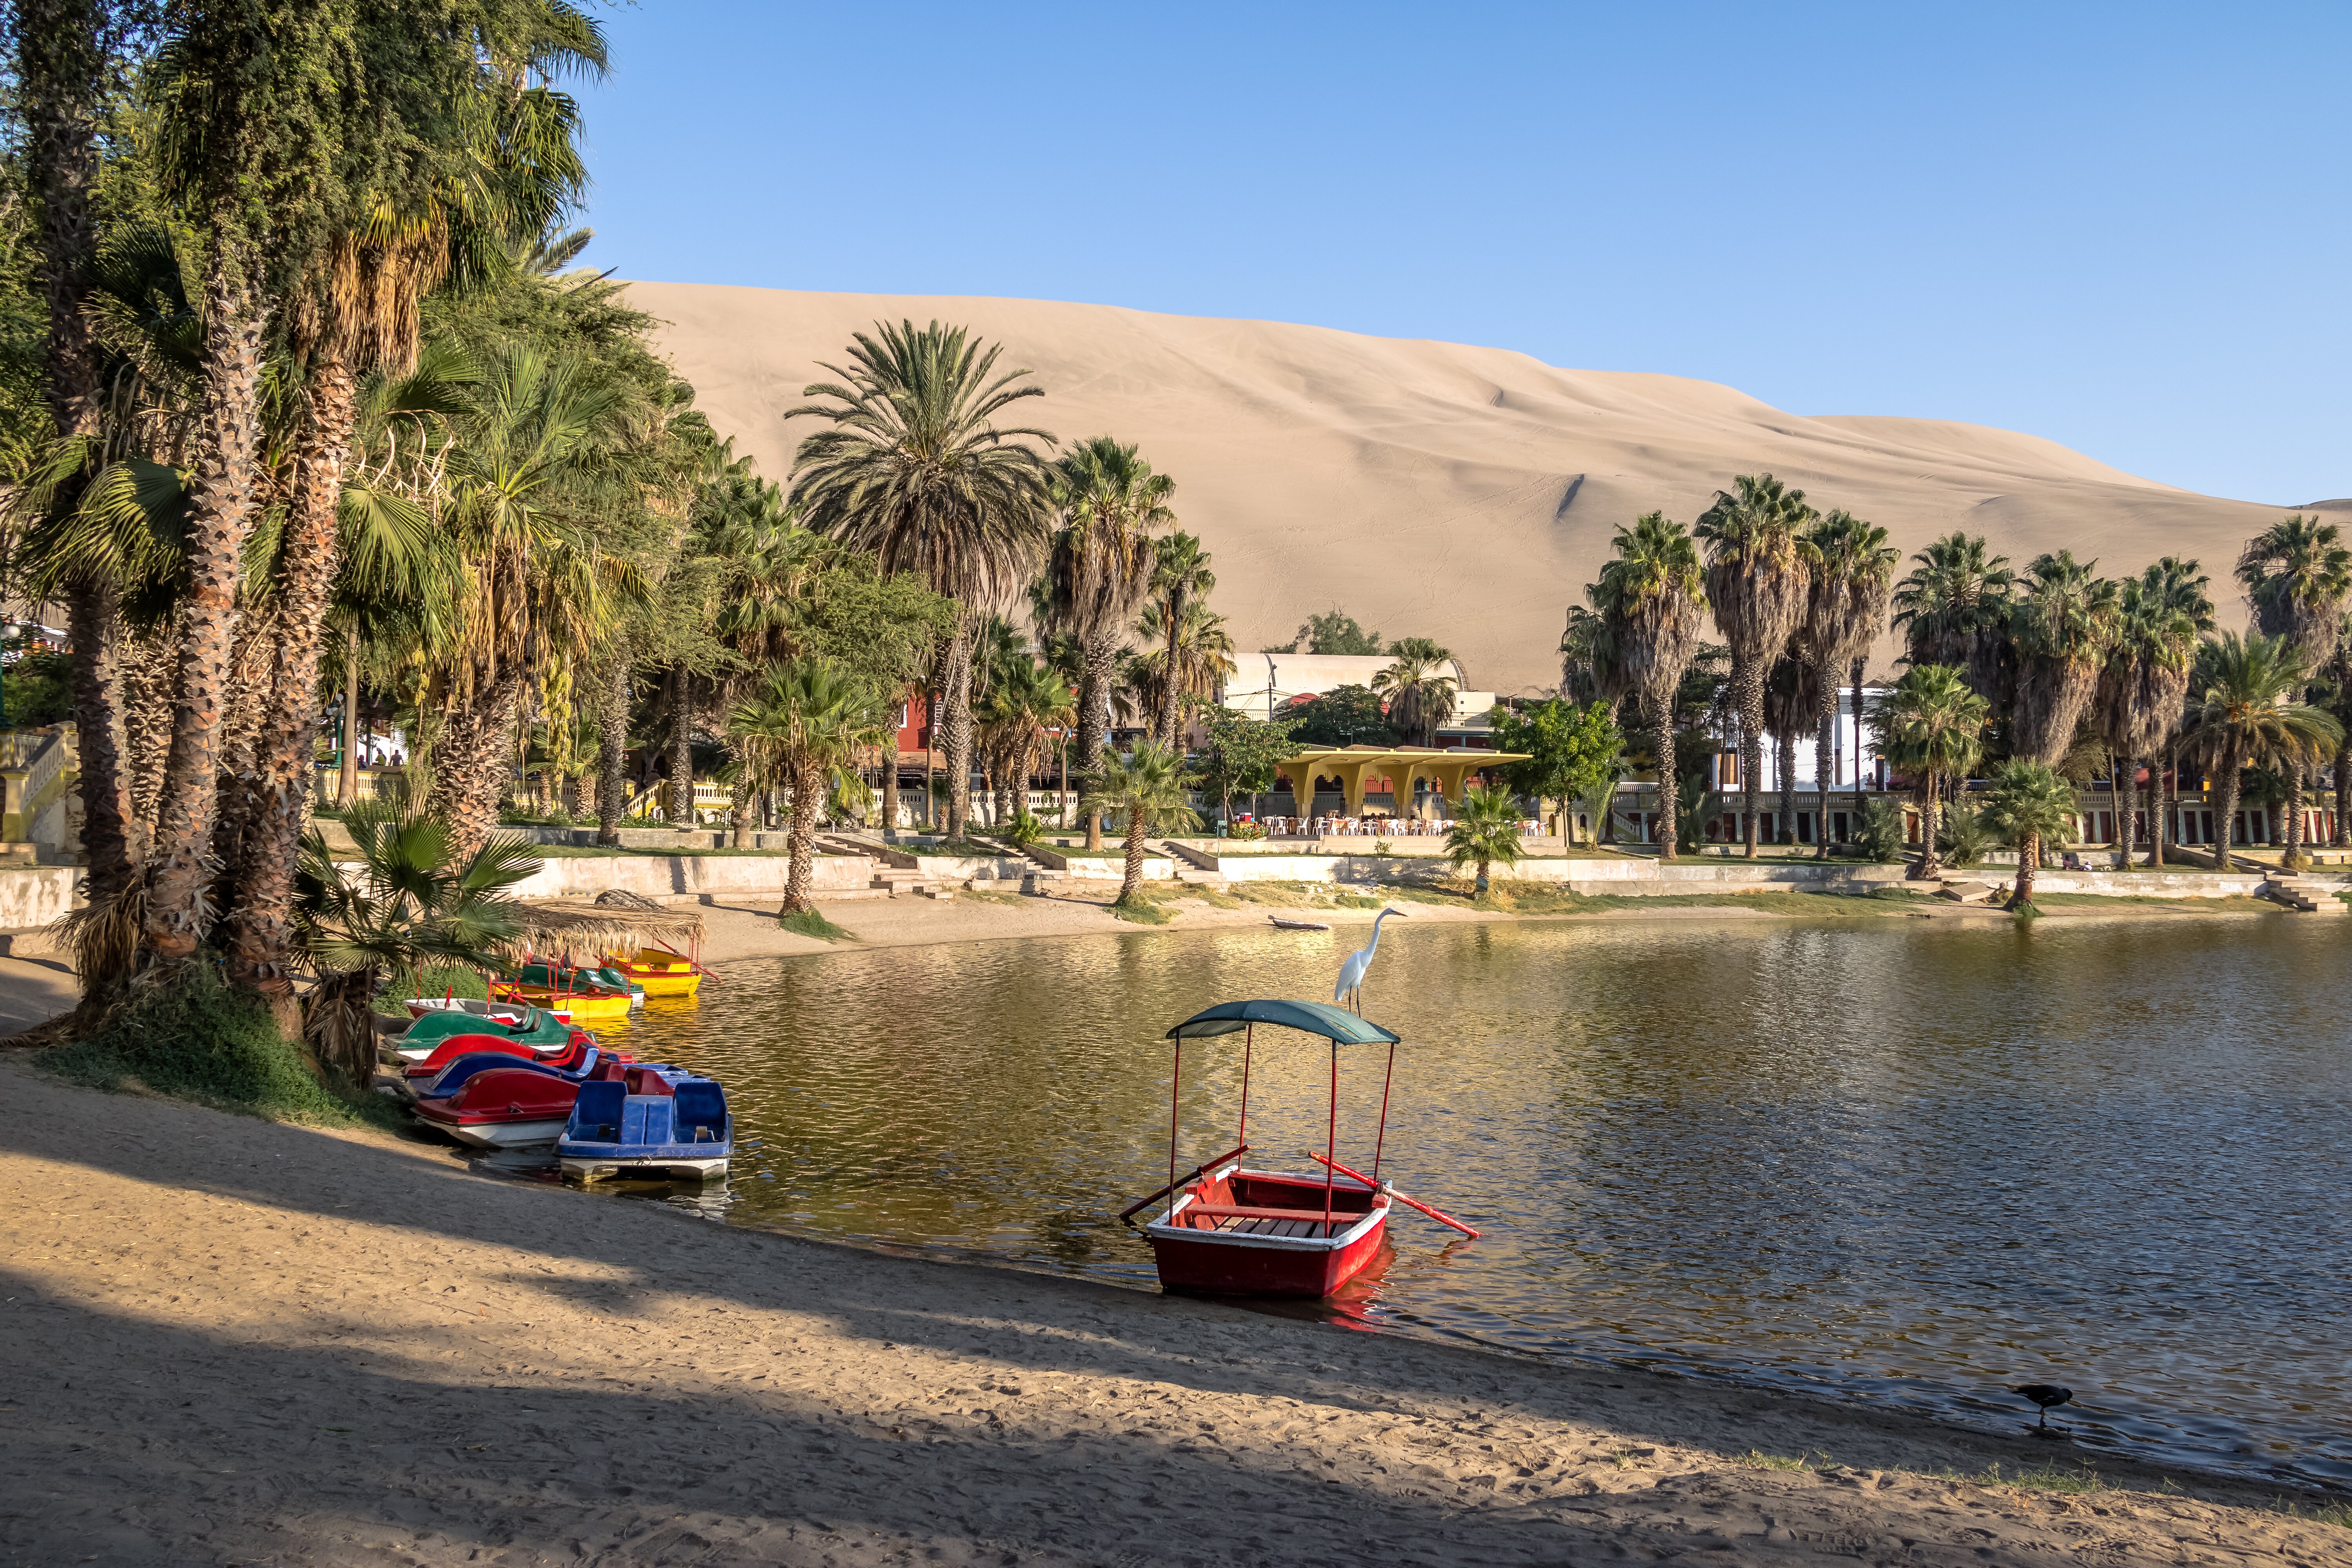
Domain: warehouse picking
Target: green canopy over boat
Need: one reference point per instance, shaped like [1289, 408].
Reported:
[1311, 1018]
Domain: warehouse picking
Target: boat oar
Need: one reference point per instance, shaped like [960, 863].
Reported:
[1202, 1169]
[1411, 1203]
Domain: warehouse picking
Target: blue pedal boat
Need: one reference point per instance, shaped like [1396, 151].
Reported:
[655, 1123]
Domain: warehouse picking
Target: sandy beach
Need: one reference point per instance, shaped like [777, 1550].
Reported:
[235, 1342]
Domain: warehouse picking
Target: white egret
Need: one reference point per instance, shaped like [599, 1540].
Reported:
[1351, 973]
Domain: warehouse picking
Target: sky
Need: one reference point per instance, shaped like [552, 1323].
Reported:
[2121, 227]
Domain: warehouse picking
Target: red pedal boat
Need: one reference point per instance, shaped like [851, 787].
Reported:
[1235, 1230]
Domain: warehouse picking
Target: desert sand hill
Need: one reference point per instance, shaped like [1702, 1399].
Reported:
[1462, 493]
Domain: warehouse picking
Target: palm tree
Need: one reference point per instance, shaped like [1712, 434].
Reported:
[1846, 609]
[2173, 587]
[2242, 713]
[1146, 788]
[2144, 685]
[1098, 571]
[2026, 804]
[1421, 692]
[1931, 725]
[2338, 702]
[801, 729]
[1485, 831]
[1791, 705]
[2297, 576]
[407, 902]
[1029, 700]
[1590, 669]
[1757, 580]
[914, 471]
[1651, 604]
[1203, 652]
[2062, 626]
[1953, 609]
[1180, 578]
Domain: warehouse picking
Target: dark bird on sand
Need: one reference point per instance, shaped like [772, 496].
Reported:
[2048, 1396]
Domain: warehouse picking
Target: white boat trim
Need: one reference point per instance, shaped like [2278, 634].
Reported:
[591, 1167]
[503, 1134]
[1161, 1229]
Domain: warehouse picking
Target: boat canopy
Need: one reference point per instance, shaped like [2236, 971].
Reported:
[1334, 1024]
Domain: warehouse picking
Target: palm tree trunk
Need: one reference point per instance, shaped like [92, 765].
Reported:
[1857, 742]
[151, 676]
[2292, 858]
[220, 518]
[1931, 808]
[1166, 727]
[1479, 887]
[2029, 861]
[1787, 761]
[890, 787]
[1093, 722]
[1064, 750]
[676, 690]
[739, 809]
[2225, 812]
[613, 751]
[347, 778]
[2126, 796]
[470, 762]
[261, 906]
[956, 696]
[1134, 878]
[2341, 836]
[1669, 787]
[808, 792]
[1824, 765]
[114, 838]
[1748, 688]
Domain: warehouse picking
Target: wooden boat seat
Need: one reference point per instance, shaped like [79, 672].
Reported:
[1265, 1221]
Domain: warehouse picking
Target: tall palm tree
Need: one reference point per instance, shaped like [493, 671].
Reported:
[2242, 713]
[1590, 669]
[1953, 608]
[1846, 609]
[1931, 725]
[1099, 571]
[1757, 582]
[2062, 626]
[803, 728]
[1652, 604]
[2297, 574]
[2027, 804]
[2337, 677]
[1485, 830]
[2144, 687]
[1180, 578]
[1145, 788]
[1029, 700]
[1791, 705]
[2173, 586]
[913, 468]
[1419, 688]
[1204, 650]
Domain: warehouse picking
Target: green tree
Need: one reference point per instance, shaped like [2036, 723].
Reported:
[1420, 688]
[1203, 650]
[1571, 751]
[2062, 626]
[1334, 632]
[1241, 753]
[1931, 728]
[2027, 804]
[2297, 574]
[407, 902]
[1953, 608]
[1343, 716]
[1485, 831]
[1651, 603]
[1180, 578]
[1846, 609]
[1146, 790]
[803, 730]
[1757, 580]
[2143, 689]
[912, 467]
[2242, 713]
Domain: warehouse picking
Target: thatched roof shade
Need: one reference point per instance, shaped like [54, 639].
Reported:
[585, 928]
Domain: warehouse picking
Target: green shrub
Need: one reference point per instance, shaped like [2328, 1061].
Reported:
[1881, 831]
[37, 689]
[203, 1042]
[813, 923]
[1961, 837]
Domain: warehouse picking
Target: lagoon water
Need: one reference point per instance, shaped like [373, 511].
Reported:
[1904, 1165]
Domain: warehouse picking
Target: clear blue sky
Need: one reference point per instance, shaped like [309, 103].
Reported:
[2124, 228]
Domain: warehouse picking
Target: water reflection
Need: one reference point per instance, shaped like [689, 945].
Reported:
[1911, 1165]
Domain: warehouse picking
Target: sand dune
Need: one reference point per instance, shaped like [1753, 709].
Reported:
[1464, 493]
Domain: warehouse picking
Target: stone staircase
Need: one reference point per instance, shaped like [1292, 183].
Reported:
[2288, 888]
[1045, 872]
[901, 873]
[1195, 868]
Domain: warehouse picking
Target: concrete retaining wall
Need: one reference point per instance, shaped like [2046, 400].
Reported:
[686, 876]
[36, 895]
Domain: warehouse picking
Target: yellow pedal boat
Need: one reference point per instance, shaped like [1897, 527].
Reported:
[659, 973]
[573, 990]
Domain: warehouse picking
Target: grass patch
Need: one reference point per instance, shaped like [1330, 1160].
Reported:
[199, 1041]
[440, 979]
[1758, 1460]
[989, 896]
[2338, 1514]
[2241, 902]
[1220, 900]
[2027, 1478]
[813, 923]
[1142, 910]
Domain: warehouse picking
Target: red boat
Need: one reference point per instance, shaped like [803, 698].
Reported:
[505, 1108]
[1235, 1230]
